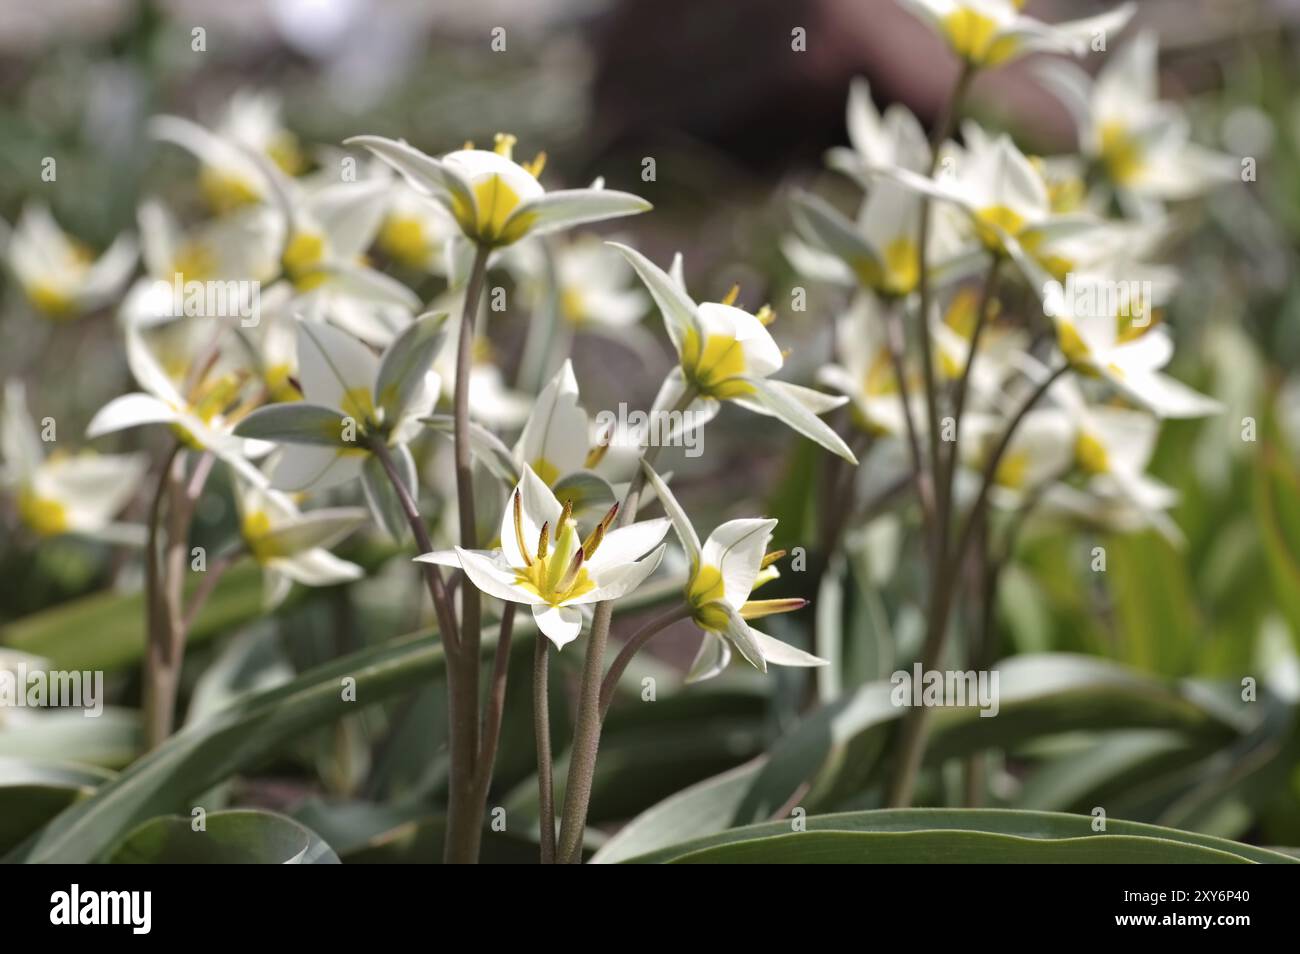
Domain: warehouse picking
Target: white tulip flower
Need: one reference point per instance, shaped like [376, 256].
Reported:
[495, 200]
[292, 546]
[64, 493]
[543, 563]
[987, 33]
[1127, 353]
[866, 375]
[60, 276]
[352, 399]
[1141, 144]
[726, 354]
[201, 401]
[731, 564]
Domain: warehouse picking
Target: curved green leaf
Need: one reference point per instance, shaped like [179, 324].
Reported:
[238, 836]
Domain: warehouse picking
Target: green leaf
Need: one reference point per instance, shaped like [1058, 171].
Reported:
[954, 834]
[106, 630]
[248, 731]
[110, 740]
[296, 422]
[238, 836]
[405, 363]
[33, 791]
[952, 847]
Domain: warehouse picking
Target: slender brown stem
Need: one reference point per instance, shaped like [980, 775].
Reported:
[159, 687]
[209, 584]
[496, 702]
[949, 470]
[897, 349]
[642, 636]
[433, 576]
[542, 733]
[911, 745]
[465, 804]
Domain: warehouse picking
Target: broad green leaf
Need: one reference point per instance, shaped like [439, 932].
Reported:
[248, 731]
[238, 836]
[940, 824]
[109, 740]
[296, 422]
[33, 791]
[953, 847]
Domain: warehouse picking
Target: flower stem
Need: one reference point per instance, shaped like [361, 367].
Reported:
[911, 744]
[542, 732]
[586, 732]
[632, 647]
[492, 715]
[159, 678]
[465, 804]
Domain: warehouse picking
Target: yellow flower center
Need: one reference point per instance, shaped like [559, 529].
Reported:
[1013, 469]
[992, 218]
[226, 191]
[897, 274]
[974, 37]
[1121, 153]
[42, 515]
[194, 263]
[50, 300]
[302, 259]
[1090, 453]
[705, 595]
[494, 202]
[284, 152]
[402, 239]
[572, 307]
[551, 574]
[715, 369]
[544, 469]
[279, 384]
[255, 528]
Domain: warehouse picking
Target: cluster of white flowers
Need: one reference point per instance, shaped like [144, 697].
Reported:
[1079, 231]
[319, 365]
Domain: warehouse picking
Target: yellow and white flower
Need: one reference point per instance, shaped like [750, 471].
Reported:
[241, 248]
[1100, 342]
[189, 386]
[292, 546]
[1140, 144]
[60, 276]
[730, 565]
[64, 493]
[866, 372]
[726, 354]
[495, 200]
[987, 33]
[353, 398]
[545, 564]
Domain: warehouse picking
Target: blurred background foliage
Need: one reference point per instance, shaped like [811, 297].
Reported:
[734, 120]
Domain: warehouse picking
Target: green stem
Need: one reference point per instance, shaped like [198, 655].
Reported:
[642, 636]
[542, 732]
[465, 807]
[911, 744]
[586, 732]
[159, 680]
[496, 702]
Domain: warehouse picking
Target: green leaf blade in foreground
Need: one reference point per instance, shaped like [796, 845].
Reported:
[1045, 828]
[953, 847]
[205, 754]
[239, 836]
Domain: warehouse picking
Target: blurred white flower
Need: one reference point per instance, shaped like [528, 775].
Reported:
[62, 492]
[986, 33]
[292, 546]
[60, 276]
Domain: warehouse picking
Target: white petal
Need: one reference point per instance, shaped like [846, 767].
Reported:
[560, 624]
[627, 544]
[778, 653]
[736, 549]
[713, 657]
[332, 363]
[539, 507]
[494, 577]
[129, 410]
